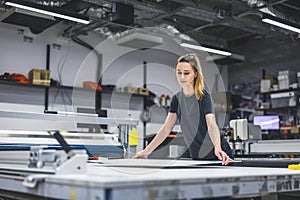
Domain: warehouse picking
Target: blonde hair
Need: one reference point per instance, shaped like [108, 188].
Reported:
[199, 80]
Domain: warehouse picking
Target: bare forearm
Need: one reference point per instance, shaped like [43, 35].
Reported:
[215, 136]
[213, 130]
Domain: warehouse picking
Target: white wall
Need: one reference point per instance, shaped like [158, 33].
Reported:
[19, 56]
[121, 66]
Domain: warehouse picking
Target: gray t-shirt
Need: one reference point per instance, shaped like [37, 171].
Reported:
[191, 114]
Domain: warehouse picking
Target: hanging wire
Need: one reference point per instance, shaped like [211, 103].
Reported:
[60, 66]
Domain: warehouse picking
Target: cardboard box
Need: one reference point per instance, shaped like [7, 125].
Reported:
[144, 91]
[222, 101]
[39, 77]
[285, 79]
[265, 85]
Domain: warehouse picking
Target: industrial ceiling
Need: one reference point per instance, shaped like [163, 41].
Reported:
[231, 24]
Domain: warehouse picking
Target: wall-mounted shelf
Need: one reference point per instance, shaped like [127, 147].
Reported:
[287, 94]
[285, 90]
[14, 92]
[21, 85]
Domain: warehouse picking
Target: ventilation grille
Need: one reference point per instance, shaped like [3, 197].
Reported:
[139, 40]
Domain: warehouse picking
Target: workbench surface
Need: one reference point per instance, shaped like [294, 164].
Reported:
[163, 180]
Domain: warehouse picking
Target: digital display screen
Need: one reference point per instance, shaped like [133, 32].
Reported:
[269, 122]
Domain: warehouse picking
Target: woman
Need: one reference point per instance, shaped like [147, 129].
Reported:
[194, 109]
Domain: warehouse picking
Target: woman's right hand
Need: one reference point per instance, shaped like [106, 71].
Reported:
[141, 154]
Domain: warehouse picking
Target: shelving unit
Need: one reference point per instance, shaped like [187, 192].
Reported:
[11, 83]
[267, 95]
[14, 92]
[289, 114]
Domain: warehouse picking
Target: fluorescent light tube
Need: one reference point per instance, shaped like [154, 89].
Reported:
[45, 12]
[282, 25]
[201, 48]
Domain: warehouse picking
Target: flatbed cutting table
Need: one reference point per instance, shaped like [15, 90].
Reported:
[151, 179]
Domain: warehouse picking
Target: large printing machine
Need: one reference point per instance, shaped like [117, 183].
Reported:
[247, 141]
[65, 171]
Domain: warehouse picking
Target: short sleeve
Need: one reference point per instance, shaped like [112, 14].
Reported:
[174, 104]
[207, 104]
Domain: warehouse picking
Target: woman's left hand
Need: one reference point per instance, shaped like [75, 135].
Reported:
[223, 157]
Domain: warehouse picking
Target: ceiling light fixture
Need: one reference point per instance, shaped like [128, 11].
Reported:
[46, 10]
[207, 49]
[281, 23]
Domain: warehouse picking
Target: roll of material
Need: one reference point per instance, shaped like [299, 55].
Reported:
[268, 162]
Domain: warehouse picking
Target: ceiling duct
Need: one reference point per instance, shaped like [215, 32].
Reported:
[226, 60]
[139, 40]
[35, 21]
[123, 14]
[38, 22]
